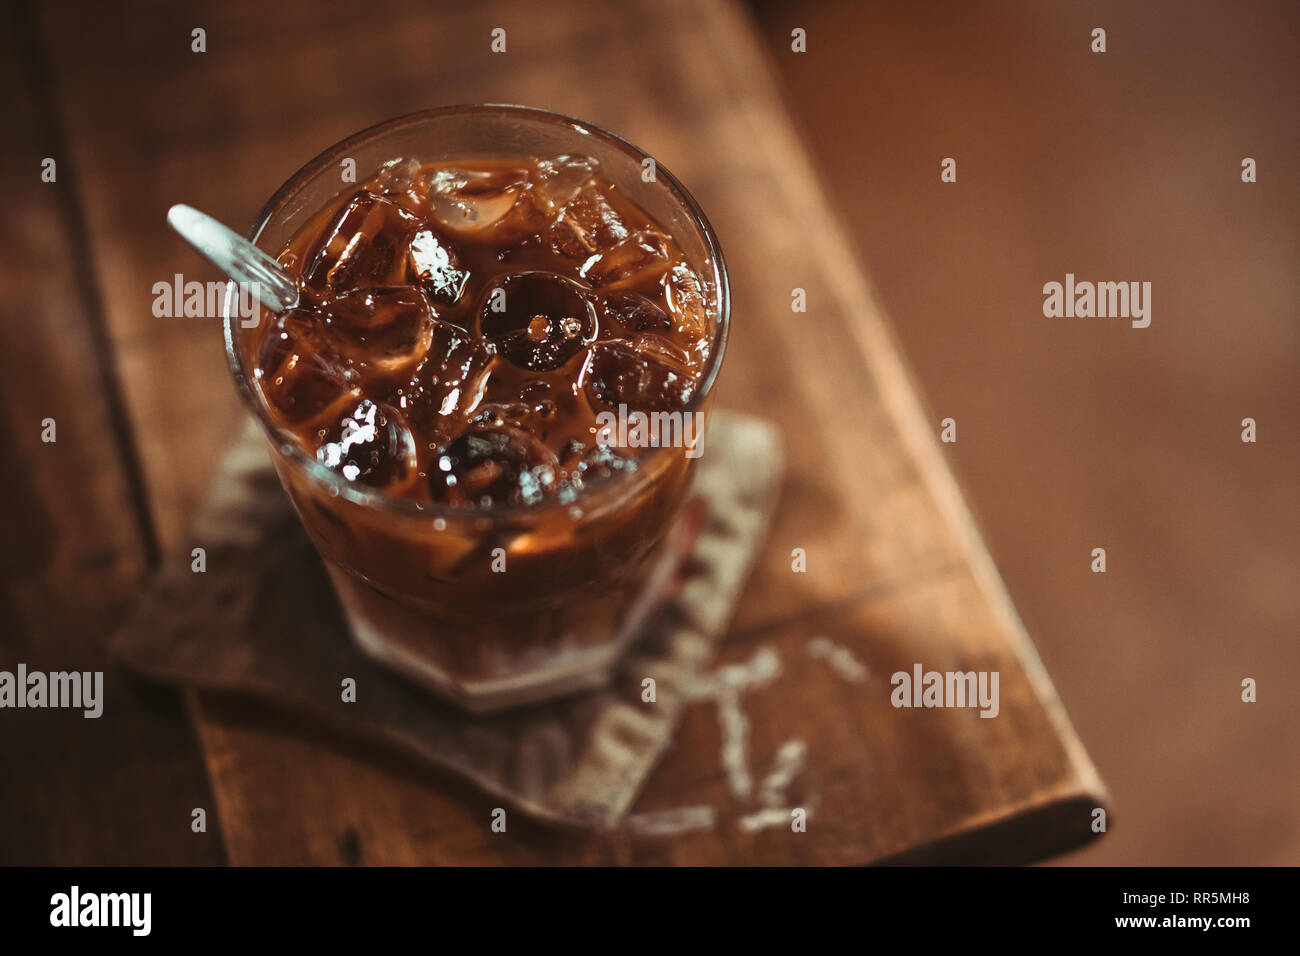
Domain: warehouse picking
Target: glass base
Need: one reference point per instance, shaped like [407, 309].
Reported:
[489, 666]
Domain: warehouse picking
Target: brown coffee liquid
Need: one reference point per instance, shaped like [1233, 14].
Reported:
[462, 325]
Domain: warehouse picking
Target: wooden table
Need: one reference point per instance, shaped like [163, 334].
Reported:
[896, 569]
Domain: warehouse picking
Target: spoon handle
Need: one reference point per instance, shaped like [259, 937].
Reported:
[234, 255]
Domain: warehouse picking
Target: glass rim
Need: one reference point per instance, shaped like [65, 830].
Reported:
[595, 492]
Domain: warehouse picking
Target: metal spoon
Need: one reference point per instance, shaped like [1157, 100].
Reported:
[234, 255]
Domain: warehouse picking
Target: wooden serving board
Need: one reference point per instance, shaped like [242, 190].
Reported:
[896, 572]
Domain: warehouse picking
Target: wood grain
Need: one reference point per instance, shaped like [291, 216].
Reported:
[896, 568]
[73, 791]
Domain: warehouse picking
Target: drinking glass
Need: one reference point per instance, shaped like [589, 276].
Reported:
[416, 580]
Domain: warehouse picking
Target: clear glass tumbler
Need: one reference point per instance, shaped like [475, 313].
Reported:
[414, 578]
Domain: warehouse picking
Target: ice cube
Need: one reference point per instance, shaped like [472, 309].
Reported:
[473, 201]
[364, 245]
[687, 301]
[618, 374]
[488, 466]
[557, 181]
[529, 404]
[633, 312]
[455, 358]
[384, 332]
[496, 414]
[437, 267]
[583, 464]
[449, 385]
[369, 444]
[300, 375]
[641, 257]
[538, 320]
[665, 350]
[598, 462]
[539, 396]
[587, 225]
[397, 175]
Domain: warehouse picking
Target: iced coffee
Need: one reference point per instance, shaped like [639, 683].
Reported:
[449, 403]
